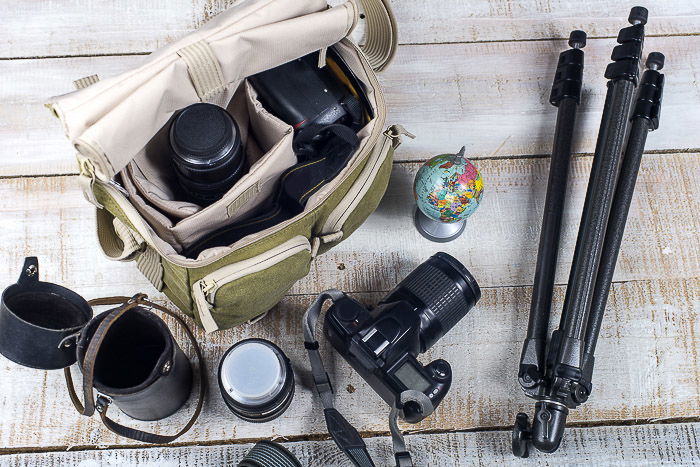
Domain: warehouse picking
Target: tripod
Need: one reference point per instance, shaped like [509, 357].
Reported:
[558, 374]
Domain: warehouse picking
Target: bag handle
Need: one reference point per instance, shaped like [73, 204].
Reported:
[381, 33]
[103, 402]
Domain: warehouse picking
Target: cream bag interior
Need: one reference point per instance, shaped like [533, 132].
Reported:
[118, 125]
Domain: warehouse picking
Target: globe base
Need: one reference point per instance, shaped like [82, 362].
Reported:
[436, 231]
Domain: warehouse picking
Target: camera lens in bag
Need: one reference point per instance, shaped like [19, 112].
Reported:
[256, 380]
[207, 152]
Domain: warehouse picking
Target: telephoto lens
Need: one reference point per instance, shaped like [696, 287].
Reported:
[207, 152]
[442, 291]
[256, 380]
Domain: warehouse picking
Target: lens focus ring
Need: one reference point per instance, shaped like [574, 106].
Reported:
[439, 293]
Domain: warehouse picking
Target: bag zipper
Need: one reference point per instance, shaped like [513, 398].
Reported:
[204, 290]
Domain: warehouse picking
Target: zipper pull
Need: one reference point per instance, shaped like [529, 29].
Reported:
[206, 286]
[203, 307]
[395, 132]
[86, 179]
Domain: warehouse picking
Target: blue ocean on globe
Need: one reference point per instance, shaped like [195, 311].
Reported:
[448, 188]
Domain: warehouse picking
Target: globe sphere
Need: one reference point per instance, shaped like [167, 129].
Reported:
[448, 188]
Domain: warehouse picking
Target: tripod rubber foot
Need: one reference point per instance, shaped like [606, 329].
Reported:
[548, 426]
[521, 436]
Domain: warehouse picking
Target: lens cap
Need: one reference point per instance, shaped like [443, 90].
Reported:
[256, 380]
[202, 134]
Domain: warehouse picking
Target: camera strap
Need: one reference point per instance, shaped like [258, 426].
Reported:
[345, 435]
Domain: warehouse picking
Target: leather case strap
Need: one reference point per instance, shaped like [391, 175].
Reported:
[88, 364]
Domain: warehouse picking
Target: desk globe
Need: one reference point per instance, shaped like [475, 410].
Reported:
[447, 189]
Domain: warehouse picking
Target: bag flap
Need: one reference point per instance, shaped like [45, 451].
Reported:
[110, 121]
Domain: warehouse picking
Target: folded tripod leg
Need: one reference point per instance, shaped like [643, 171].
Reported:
[645, 118]
[566, 95]
[566, 381]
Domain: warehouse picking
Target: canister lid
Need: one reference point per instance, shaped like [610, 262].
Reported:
[40, 320]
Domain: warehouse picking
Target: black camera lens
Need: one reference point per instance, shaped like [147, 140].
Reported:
[442, 291]
[256, 380]
[269, 454]
[207, 152]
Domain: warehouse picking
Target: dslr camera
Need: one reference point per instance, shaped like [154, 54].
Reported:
[382, 344]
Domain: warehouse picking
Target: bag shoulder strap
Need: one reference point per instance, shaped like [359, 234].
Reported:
[103, 402]
[381, 33]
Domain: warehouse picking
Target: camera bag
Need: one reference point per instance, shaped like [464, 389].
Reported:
[116, 127]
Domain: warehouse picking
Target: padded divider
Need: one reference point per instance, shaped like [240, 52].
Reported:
[153, 188]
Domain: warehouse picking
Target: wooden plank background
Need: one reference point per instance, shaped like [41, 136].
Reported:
[611, 445]
[449, 95]
[474, 73]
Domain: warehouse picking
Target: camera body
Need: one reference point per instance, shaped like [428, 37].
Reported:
[382, 346]
[313, 99]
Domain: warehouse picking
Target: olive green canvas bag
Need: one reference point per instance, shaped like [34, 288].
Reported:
[116, 126]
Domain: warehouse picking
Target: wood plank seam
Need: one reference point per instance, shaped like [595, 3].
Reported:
[318, 437]
[402, 44]
[398, 160]
[538, 39]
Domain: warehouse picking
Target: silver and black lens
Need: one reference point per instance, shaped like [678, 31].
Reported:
[256, 380]
[207, 152]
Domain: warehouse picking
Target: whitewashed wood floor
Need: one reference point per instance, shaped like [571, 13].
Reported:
[468, 72]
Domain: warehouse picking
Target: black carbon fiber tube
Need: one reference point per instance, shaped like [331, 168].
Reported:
[551, 222]
[645, 119]
[596, 210]
[616, 229]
